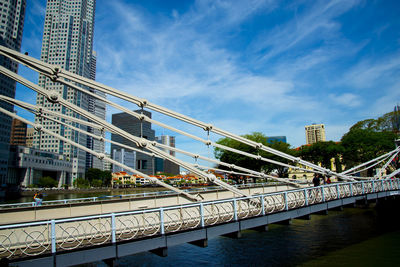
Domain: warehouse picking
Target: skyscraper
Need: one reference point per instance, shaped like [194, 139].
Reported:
[12, 13]
[18, 133]
[132, 125]
[67, 42]
[125, 157]
[98, 108]
[168, 166]
[315, 133]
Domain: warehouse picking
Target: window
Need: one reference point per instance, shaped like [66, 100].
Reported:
[141, 164]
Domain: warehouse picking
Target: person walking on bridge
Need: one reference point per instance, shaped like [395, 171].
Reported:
[38, 197]
[316, 180]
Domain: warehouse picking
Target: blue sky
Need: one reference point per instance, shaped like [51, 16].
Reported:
[246, 66]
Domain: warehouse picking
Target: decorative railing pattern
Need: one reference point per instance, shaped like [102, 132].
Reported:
[130, 196]
[28, 239]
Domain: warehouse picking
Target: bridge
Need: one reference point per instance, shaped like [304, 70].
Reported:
[82, 239]
[67, 233]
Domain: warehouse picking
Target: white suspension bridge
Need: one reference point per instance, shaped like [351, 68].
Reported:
[35, 235]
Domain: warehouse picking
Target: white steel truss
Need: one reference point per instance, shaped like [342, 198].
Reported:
[56, 74]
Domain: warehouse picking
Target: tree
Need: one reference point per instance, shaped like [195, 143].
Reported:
[251, 163]
[93, 174]
[362, 145]
[48, 182]
[322, 152]
[96, 183]
[389, 122]
[81, 183]
[106, 177]
[97, 174]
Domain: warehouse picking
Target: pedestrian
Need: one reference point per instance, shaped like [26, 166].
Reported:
[328, 180]
[38, 197]
[316, 180]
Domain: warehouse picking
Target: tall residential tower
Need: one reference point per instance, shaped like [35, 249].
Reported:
[12, 13]
[68, 43]
[315, 133]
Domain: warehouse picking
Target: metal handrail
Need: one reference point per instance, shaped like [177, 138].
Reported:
[136, 195]
[163, 221]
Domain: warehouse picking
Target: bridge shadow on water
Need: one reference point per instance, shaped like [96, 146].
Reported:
[352, 237]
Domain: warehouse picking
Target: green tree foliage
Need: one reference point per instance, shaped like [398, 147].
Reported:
[96, 183]
[48, 182]
[106, 177]
[93, 174]
[362, 145]
[387, 122]
[251, 163]
[322, 152]
[81, 183]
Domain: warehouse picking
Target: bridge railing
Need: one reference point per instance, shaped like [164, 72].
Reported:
[29, 239]
[136, 195]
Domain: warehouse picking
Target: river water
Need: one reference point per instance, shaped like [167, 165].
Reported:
[353, 237]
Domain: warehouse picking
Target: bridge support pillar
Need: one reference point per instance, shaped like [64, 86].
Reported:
[322, 212]
[363, 203]
[262, 228]
[113, 262]
[203, 243]
[235, 235]
[305, 217]
[285, 222]
[162, 252]
[338, 208]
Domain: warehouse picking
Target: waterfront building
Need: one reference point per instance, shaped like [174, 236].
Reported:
[18, 133]
[273, 139]
[68, 43]
[163, 165]
[315, 133]
[28, 165]
[123, 179]
[127, 158]
[136, 127]
[12, 13]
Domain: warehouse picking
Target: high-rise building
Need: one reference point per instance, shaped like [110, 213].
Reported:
[98, 108]
[68, 43]
[30, 132]
[168, 166]
[127, 158]
[12, 13]
[107, 166]
[315, 133]
[134, 126]
[18, 133]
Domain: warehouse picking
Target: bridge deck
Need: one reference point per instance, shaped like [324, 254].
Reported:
[64, 242]
[16, 214]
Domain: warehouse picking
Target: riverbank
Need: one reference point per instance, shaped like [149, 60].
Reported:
[105, 190]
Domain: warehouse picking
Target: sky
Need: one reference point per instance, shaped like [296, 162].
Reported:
[245, 66]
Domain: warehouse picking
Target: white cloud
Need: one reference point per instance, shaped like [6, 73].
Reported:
[374, 72]
[346, 99]
[317, 23]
